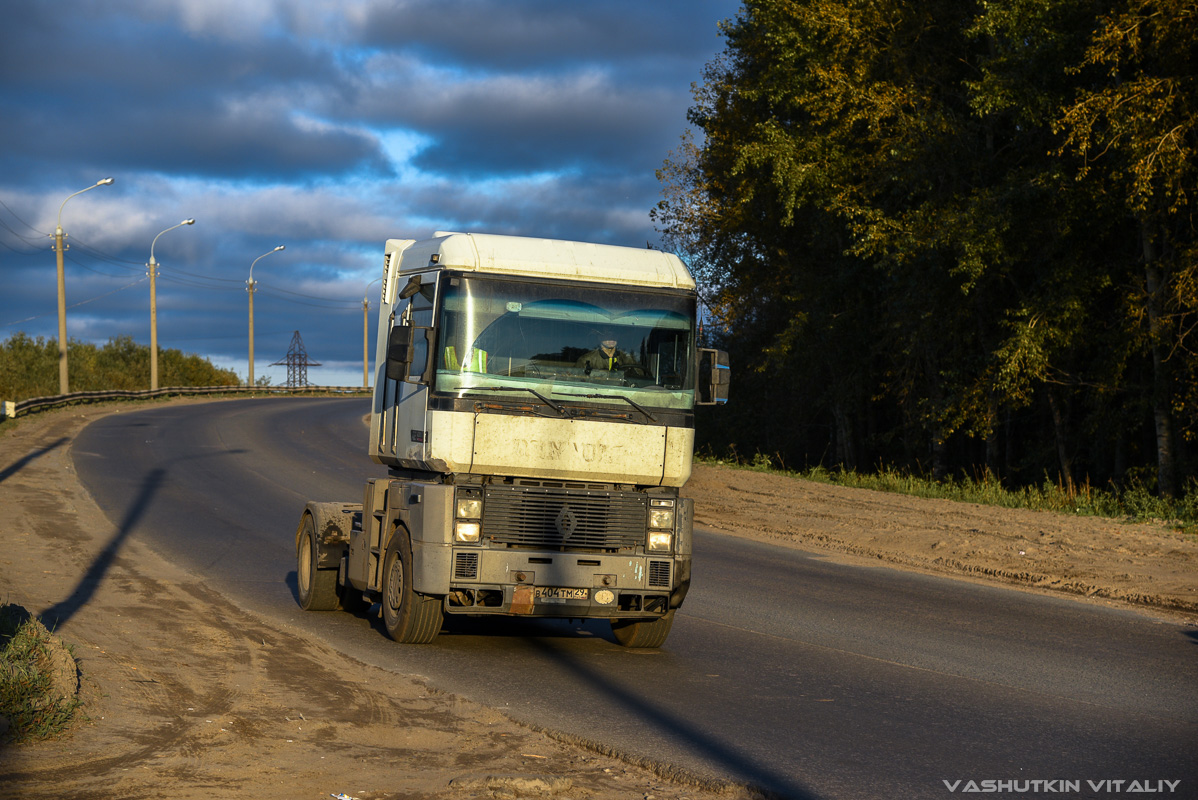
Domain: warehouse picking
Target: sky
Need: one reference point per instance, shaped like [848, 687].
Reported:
[326, 126]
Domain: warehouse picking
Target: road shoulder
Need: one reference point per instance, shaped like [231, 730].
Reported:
[189, 697]
[1149, 567]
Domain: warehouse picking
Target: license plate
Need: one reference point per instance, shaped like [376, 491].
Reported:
[552, 593]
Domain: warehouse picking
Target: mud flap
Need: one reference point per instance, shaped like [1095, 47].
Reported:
[333, 523]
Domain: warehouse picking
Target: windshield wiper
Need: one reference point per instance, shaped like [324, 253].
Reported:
[533, 392]
[630, 402]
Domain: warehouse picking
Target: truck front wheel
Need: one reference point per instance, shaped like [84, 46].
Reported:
[409, 617]
[317, 588]
[643, 633]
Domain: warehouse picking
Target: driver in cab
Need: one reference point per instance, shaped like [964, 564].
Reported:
[606, 356]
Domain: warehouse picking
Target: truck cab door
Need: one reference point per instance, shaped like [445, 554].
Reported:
[409, 368]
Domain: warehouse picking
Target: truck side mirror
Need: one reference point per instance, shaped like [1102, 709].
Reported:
[408, 350]
[399, 352]
[410, 288]
[714, 377]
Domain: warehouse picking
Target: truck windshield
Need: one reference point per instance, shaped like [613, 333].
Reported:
[587, 343]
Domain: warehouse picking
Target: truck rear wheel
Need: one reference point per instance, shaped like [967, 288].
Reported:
[409, 617]
[317, 588]
[643, 633]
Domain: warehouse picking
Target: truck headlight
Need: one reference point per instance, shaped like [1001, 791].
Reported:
[661, 514]
[470, 508]
[659, 541]
[661, 518]
[466, 531]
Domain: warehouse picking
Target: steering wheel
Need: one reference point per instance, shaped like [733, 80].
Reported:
[636, 371]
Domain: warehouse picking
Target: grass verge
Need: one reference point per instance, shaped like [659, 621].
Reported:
[39, 697]
[1135, 502]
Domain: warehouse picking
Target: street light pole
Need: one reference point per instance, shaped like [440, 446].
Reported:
[153, 270]
[250, 286]
[59, 246]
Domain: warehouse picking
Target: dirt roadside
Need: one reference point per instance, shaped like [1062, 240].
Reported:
[1147, 566]
[190, 698]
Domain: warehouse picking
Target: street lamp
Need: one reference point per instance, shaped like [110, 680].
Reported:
[59, 246]
[153, 269]
[249, 287]
[366, 332]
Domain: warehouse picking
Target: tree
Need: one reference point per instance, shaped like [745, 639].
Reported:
[1137, 129]
[29, 367]
[828, 189]
[899, 213]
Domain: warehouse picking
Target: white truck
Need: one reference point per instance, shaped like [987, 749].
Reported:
[534, 404]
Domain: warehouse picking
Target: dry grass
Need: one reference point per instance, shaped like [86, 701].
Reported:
[39, 680]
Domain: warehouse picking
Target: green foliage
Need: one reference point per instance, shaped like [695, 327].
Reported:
[34, 706]
[955, 234]
[29, 367]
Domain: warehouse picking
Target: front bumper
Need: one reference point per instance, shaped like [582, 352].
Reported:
[571, 585]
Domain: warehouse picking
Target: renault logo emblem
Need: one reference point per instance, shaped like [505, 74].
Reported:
[565, 522]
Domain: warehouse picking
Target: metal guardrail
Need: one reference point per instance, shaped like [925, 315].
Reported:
[9, 408]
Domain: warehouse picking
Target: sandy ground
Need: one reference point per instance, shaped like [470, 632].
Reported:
[1150, 566]
[189, 697]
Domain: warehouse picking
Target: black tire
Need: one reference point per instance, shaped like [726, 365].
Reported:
[352, 599]
[317, 588]
[643, 633]
[409, 618]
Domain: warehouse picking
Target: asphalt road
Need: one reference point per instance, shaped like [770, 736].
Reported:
[786, 670]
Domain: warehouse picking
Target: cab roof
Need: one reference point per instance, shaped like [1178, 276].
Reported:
[550, 258]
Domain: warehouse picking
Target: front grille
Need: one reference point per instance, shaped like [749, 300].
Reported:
[465, 565]
[659, 574]
[542, 516]
[561, 484]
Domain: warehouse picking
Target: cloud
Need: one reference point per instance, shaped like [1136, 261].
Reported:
[585, 207]
[511, 124]
[325, 125]
[135, 95]
[544, 35]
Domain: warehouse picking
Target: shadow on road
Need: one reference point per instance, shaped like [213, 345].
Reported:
[63, 610]
[21, 463]
[761, 777]
[540, 635]
[153, 481]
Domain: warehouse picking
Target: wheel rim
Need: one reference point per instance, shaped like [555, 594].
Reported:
[395, 586]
